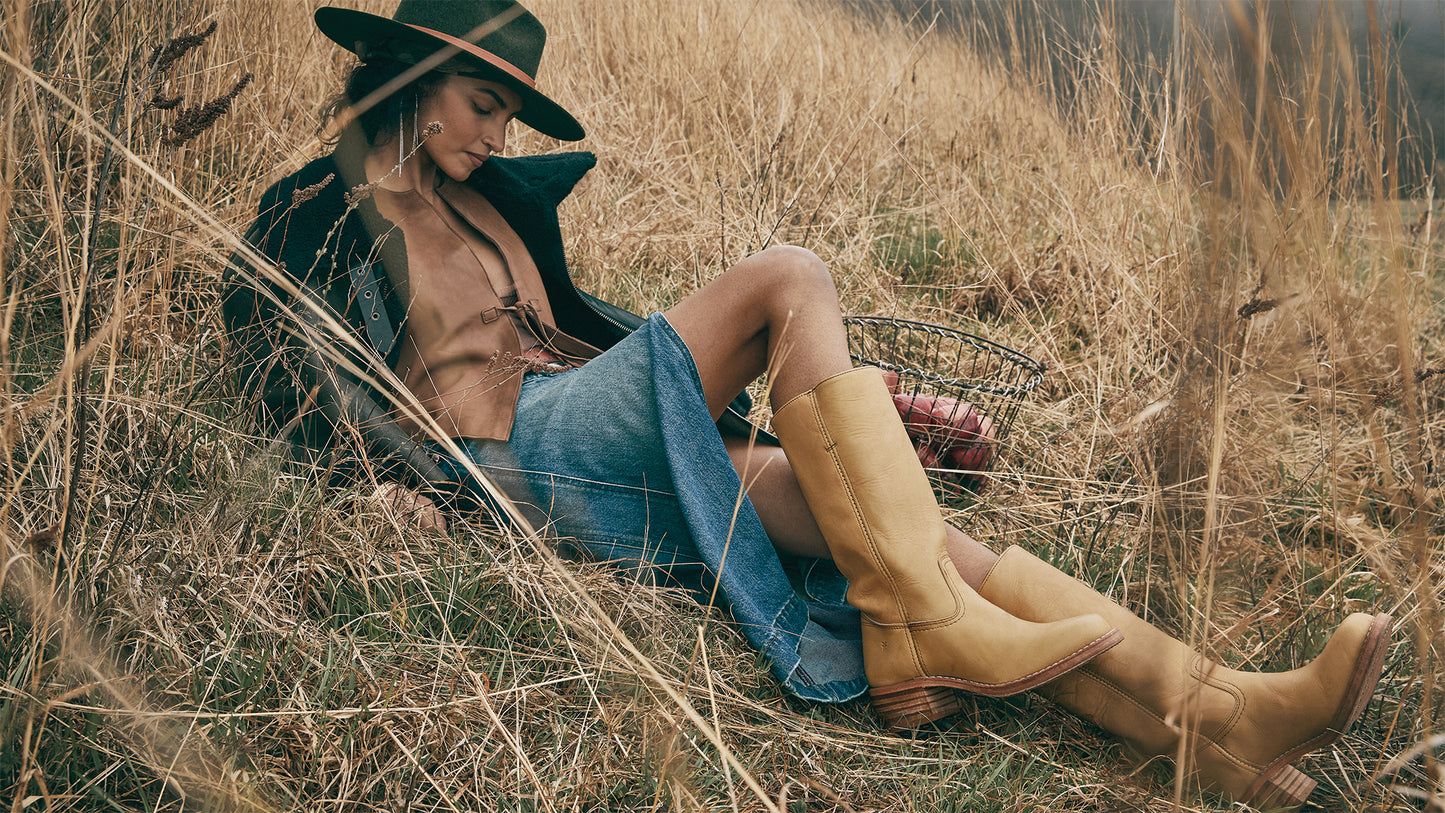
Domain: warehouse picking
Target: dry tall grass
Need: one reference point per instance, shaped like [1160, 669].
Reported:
[1241, 434]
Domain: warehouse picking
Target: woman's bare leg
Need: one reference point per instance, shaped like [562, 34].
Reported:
[774, 492]
[790, 525]
[775, 312]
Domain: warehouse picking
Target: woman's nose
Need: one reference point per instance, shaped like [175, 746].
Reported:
[496, 139]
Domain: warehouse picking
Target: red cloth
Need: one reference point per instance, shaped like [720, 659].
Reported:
[950, 435]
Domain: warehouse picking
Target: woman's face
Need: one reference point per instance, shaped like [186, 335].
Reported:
[474, 114]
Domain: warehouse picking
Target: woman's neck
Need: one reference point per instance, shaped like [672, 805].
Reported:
[416, 174]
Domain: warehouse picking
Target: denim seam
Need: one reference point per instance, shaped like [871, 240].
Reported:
[584, 482]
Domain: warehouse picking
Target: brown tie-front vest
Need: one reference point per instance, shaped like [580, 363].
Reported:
[462, 355]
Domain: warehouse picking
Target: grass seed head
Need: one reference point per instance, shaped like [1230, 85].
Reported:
[192, 121]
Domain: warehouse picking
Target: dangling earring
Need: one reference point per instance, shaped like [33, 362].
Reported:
[400, 139]
[415, 136]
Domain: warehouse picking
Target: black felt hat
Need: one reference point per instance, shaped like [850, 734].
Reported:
[496, 40]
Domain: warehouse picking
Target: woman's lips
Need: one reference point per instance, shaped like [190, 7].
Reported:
[477, 160]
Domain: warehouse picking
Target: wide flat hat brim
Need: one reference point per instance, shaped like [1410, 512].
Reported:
[349, 28]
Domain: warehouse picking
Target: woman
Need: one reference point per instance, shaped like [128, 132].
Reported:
[446, 262]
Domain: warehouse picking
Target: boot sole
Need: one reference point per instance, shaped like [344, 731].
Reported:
[1280, 786]
[922, 700]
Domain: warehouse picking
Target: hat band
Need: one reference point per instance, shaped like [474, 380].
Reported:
[482, 54]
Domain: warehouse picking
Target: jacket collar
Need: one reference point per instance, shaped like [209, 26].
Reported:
[541, 180]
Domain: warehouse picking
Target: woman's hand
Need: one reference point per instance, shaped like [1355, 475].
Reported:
[401, 504]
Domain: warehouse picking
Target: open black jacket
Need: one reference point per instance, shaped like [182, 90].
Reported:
[323, 242]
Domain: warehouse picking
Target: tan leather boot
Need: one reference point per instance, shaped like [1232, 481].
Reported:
[1240, 730]
[926, 633]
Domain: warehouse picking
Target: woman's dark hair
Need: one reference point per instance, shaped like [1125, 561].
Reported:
[379, 123]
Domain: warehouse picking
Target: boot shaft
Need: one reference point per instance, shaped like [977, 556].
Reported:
[862, 480]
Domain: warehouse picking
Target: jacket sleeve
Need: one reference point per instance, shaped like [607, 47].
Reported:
[345, 402]
[298, 391]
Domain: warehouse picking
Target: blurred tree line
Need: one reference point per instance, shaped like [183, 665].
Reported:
[1056, 33]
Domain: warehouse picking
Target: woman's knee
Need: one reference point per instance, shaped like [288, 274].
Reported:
[795, 270]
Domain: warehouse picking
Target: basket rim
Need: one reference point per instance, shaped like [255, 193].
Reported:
[1027, 362]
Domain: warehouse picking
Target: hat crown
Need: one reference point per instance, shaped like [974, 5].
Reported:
[519, 41]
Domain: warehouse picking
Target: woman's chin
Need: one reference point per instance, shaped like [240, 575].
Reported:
[461, 176]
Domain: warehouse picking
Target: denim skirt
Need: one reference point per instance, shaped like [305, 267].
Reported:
[620, 461]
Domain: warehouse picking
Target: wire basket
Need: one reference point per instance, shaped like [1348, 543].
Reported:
[958, 394]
